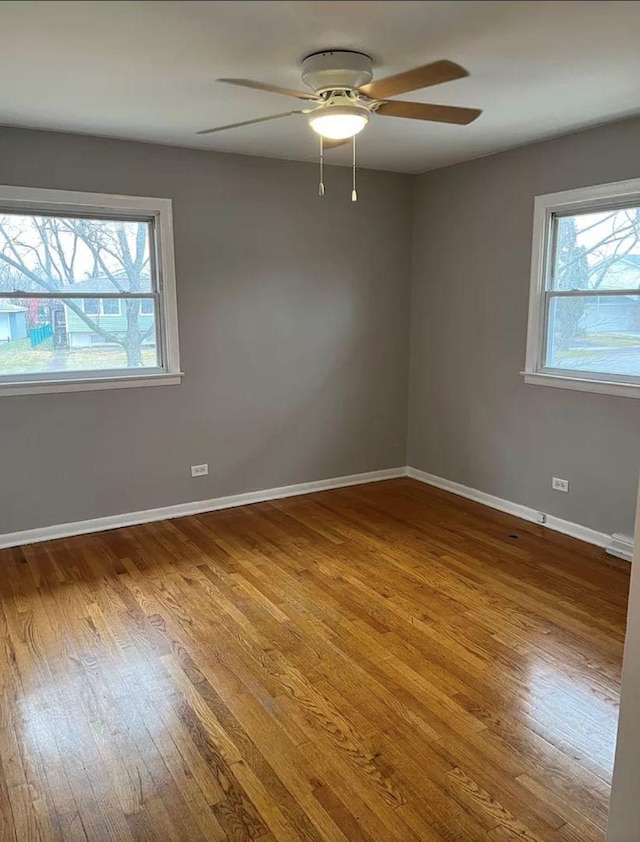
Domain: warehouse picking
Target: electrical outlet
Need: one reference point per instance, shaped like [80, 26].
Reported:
[560, 484]
[541, 517]
[199, 470]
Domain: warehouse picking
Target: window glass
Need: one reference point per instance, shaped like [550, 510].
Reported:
[592, 317]
[51, 253]
[595, 333]
[45, 336]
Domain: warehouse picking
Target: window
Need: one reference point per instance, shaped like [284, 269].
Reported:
[584, 311]
[87, 292]
[110, 306]
[91, 306]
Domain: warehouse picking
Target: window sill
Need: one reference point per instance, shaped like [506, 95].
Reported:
[602, 387]
[43, 387]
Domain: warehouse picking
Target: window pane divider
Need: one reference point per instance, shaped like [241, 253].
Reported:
[41, 209]
[80, 295]
[582, 293]
[585, 374]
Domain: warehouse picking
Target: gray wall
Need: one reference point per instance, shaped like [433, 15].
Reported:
[293, 325]
[293, 315]
[471, 417]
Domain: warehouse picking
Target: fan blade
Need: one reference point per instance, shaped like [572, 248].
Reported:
[434, 113]
[413, 80]
[273, 89]
[250, 122]
[331, 144]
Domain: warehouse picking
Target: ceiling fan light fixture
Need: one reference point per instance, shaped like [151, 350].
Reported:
[339, 122]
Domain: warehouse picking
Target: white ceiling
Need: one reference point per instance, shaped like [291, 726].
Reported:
[147, 71]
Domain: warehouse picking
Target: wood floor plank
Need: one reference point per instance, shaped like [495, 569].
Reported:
[381, 662]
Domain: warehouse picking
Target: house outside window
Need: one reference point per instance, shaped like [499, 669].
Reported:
[87, 292]
[584, 310]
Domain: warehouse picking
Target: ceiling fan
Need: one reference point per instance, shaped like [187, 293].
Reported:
[344, 97]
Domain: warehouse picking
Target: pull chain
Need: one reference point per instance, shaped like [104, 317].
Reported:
[354, 193]
[321, 185]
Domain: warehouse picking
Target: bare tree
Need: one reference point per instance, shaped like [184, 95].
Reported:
[585, 267]
[582, 266]
[55, 253]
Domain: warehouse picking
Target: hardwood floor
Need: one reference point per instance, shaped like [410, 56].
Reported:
[381, 663]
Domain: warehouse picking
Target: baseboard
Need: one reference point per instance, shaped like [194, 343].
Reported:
[100, 524]
[618, 545]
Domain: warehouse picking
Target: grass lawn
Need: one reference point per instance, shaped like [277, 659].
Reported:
[614, 340]
[96, 357]
[19, 357]
[601, 346]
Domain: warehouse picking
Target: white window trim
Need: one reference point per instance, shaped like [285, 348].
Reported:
[39, 200]
[582, 199]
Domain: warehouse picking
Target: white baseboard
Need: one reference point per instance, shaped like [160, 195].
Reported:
[100, 524]
[618, 545]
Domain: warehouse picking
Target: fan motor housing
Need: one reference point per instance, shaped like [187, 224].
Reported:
[333, 70]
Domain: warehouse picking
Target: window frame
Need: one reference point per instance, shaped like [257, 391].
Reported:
[156, 211]
[547, 208]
